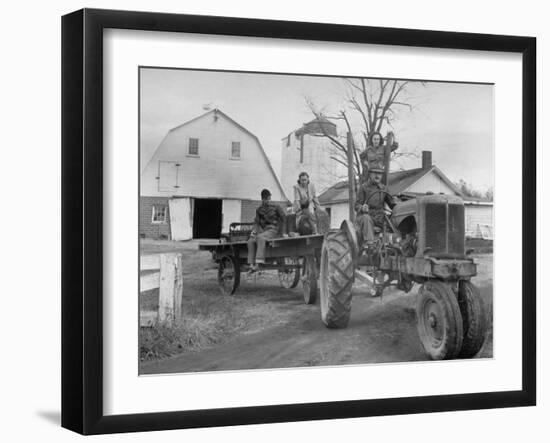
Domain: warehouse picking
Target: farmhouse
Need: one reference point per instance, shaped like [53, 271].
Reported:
[411, 183]
[204, 175]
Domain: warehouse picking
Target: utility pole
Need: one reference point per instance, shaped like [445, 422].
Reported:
[351, 176]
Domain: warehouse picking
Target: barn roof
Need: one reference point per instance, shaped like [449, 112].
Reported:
[242, 128]
[398, 182]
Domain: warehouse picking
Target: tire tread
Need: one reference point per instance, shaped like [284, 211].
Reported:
[339, 282]
[473, 319]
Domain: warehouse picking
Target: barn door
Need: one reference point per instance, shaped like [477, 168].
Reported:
[180, 218]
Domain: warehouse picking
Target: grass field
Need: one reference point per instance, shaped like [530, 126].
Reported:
[209, 316]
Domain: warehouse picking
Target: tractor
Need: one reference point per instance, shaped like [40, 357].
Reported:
[423, 242]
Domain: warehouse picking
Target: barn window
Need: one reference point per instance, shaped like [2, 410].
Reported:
[159, 214]
[235, 150]
[193, 146]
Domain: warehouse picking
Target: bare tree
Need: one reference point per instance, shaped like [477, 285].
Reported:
[469, 191]
[370, 105]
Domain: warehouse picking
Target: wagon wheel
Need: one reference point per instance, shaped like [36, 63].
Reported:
[439, 321]
[309, 279]
[229, 275]
[289, 277]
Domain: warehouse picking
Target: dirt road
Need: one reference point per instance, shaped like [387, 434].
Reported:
[291, 333]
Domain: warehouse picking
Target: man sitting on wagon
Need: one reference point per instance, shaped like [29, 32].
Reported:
[371, 211]
[267, 225]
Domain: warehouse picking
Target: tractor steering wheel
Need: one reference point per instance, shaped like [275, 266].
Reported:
[378, 191]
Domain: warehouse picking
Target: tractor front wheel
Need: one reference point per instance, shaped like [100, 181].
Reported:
[336, 279]
[473, 319]
[439, 320]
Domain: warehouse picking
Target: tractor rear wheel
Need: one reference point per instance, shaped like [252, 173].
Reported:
[336, 280]
[473, 319]
[439, 320]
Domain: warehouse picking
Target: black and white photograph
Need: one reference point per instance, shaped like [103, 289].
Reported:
[275, 222]
[297, 221]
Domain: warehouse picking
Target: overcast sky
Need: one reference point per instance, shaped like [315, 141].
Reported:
[453, 120]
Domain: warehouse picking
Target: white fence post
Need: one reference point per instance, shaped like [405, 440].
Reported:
[166, 290]
[169, 281]
[178, 288]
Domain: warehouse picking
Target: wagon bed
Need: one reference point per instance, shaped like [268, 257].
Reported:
[276, 247]
[296, 258]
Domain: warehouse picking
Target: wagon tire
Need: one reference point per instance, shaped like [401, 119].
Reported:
[309, 280]
[289, 279]
[473, 319]
[336, 279]
[229, 275]
[439, 321]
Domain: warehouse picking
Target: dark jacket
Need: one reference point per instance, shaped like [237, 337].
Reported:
[269, 216]
[376, 203]
[374, 157]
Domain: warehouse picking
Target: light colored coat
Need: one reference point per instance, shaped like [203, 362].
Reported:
[305, 195]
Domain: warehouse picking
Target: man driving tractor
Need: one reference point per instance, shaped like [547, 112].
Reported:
[369, 207]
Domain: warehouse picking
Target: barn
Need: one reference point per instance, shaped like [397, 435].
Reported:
[206, 173]
[411, 183]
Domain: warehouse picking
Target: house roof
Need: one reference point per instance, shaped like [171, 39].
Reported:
[477, 200]
[398, 183]
[472, 201]
[242, 128]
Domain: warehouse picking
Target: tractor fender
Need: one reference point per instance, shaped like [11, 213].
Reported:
[349, 229]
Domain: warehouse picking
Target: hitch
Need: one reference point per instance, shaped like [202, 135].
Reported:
[375, 289]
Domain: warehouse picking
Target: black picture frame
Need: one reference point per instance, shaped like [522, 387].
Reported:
[82, 220]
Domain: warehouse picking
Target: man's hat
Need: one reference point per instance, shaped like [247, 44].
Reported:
[265, 193]
[376, 168]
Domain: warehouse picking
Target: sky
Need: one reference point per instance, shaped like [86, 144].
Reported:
[453, 120]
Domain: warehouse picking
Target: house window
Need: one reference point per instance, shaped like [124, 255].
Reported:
[193, 146]
[235, 149]
[159, 214]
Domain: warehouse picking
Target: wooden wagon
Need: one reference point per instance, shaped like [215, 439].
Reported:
[296, 258]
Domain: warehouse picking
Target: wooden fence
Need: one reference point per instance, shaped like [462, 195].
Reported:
[162, 271]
